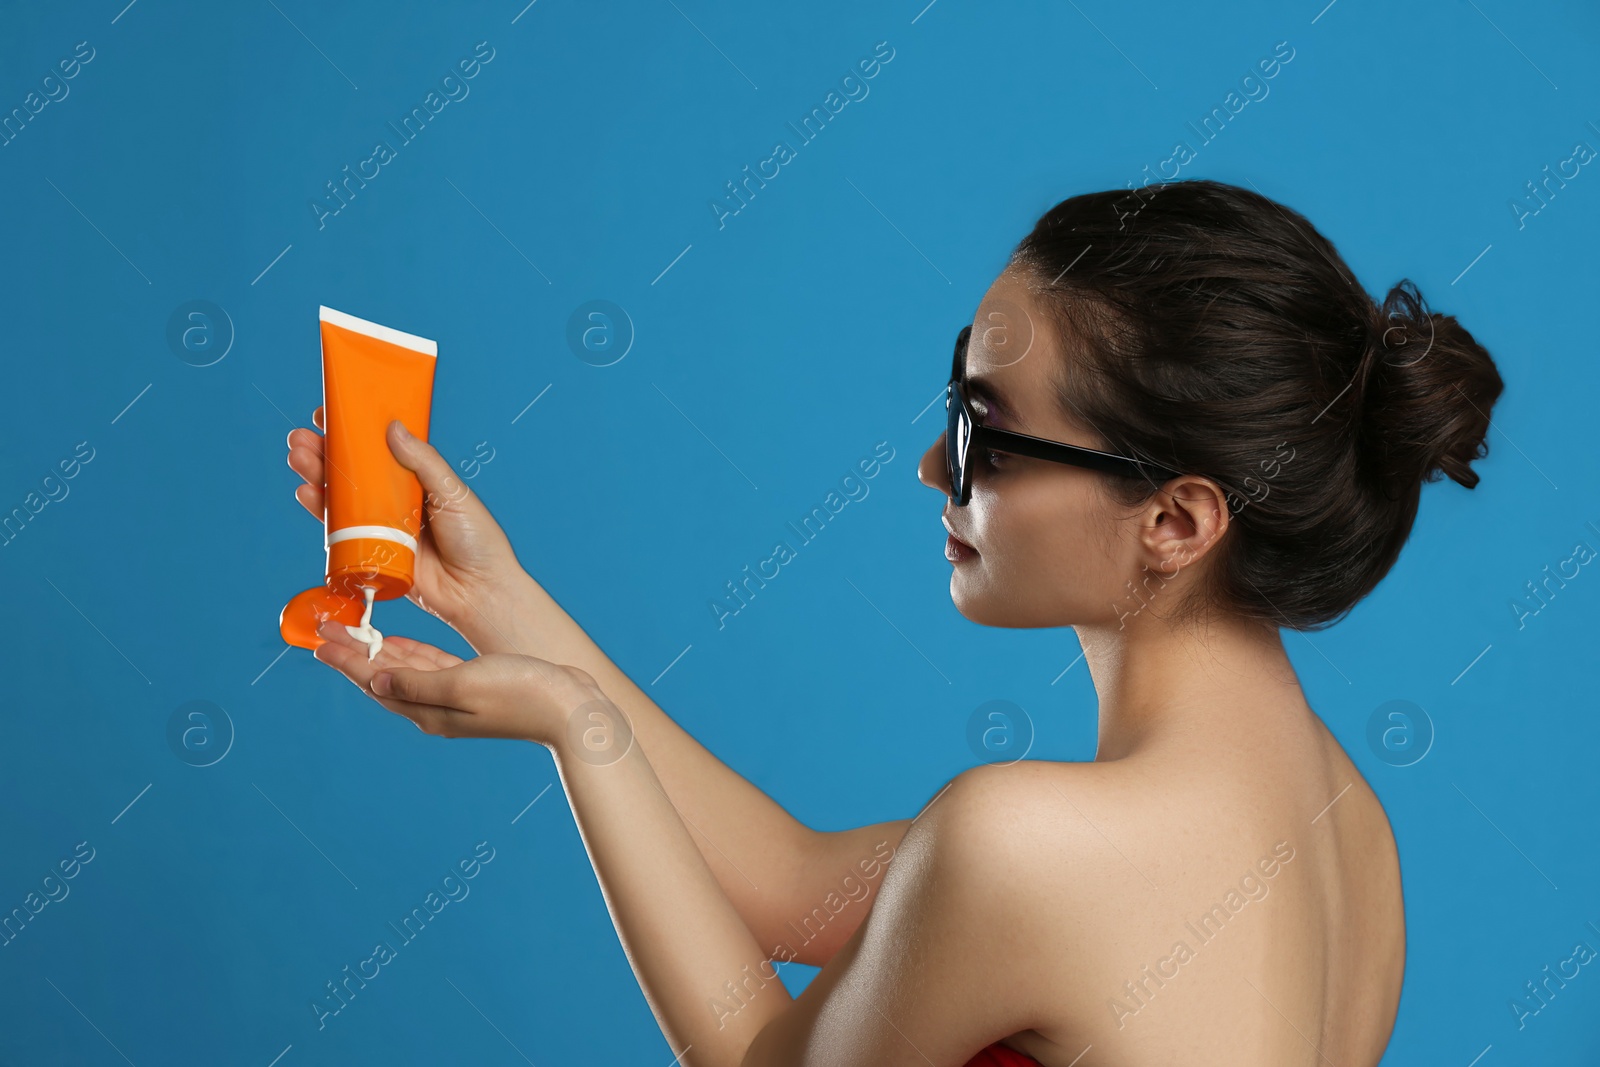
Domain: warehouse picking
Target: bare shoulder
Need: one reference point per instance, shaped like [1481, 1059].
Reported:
[953, 951]
[1024, 809]
[1043, 841]
[1006, 812]
[1054, 862]
[1090, 851]
[987, 826]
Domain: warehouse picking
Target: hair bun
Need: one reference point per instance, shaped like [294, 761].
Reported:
[1425, 388]
[1212, 330]
[1404, 316]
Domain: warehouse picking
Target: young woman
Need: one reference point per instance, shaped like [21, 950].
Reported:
[1177, 424]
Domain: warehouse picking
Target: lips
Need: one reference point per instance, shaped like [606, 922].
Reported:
[951, 530]
[955, 549]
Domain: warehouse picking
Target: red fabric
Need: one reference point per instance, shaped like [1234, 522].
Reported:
[998, 1055]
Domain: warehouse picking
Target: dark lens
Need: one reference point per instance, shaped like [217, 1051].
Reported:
[957, 427]
[957, 434]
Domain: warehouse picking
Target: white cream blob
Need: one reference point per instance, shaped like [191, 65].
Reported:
[365, 632]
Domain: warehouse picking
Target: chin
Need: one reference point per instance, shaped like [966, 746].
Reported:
[986, 608]
[996, 607]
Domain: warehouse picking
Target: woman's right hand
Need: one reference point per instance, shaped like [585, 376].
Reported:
[465, 566]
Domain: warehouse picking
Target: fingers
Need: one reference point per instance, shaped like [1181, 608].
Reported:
[333, 632]
[306, 460]
[396, 651]
[305, 453]
[350, 662]
[339, 654]
[444, 489]
[419, 653]
[443, 688]
[313, 499]
[300, 435]
[317, 418]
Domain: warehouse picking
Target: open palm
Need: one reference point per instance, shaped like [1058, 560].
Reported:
[498, 694]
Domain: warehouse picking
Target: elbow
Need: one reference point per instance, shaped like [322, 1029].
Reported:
[834, 888]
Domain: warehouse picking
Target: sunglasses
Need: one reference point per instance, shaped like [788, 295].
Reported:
[963, 434]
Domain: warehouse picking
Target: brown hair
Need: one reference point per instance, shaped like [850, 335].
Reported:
[1219, 333]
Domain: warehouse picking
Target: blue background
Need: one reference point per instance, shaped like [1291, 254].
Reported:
[771, 356]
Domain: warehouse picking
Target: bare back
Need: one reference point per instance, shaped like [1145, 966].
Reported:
[1243, 905]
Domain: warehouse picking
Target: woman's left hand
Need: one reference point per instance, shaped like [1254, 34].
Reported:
[499, 694]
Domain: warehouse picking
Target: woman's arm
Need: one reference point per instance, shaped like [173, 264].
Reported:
[785, 879]
[936, 972]
[959, 950]
[954, 955]
[688, 947]
[703, 973]
[800, 892]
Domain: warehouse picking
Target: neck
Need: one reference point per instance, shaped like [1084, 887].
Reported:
[1157, 680]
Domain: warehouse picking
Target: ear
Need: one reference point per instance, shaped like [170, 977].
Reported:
[1184, 521]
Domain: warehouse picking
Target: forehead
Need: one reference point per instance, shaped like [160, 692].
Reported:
[1008, 330]
[1010, 355]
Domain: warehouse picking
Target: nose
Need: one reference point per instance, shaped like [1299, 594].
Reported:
[932, 470]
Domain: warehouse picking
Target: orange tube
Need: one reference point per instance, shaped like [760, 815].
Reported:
[371, 374]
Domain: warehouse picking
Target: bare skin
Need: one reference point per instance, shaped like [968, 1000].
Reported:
[1023, 900]
[1208, 755]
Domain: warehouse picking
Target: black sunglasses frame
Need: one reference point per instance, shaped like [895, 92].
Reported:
[963, 433]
